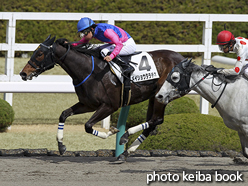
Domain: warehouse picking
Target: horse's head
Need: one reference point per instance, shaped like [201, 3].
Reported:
[40, 61]
[176, 84]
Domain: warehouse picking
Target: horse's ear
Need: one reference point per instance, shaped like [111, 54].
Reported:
[48, 38]
[185, 63]
[49, 41]
[52, 40]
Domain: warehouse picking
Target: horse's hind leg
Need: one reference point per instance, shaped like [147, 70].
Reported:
[157, 118]
[78, 108]
[102, 112]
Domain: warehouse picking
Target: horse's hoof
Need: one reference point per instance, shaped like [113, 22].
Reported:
[62, 148]
[122, 157]
[124, 139]
[114, 130]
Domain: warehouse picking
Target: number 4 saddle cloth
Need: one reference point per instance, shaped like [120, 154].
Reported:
[145, 70]
[143, 64]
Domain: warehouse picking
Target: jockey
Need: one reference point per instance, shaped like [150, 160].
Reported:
[120, 42]
[227, 42]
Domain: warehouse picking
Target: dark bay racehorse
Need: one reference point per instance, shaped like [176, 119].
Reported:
[97, 88]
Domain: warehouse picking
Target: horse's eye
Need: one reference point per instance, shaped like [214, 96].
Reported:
[175, 77]
[40, 54]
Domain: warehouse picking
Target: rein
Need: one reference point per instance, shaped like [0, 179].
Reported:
[62, 57]
[93, 65]
[92, 58]
[204, 77]
[212, 106]
[190, 88]
[42, 67]
[53, 60]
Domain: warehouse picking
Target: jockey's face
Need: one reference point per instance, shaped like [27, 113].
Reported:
[89, 36]
[226, 48]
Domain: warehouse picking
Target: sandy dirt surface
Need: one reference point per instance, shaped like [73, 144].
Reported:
[103, 171]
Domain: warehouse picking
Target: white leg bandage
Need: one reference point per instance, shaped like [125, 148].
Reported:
[60, 132]
[103, 135]
[138, 128]
[136, 143]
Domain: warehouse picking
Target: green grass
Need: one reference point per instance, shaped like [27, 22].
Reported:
[33, 108]
[44, 136]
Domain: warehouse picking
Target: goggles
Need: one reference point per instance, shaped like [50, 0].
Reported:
[223, 47]
[85, 32]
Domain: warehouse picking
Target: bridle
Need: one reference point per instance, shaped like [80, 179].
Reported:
[187, 90]
[49, 58]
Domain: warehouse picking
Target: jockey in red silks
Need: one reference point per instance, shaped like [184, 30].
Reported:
[227, 42]
[119, 41]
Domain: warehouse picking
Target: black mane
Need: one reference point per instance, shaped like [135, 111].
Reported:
[85, 48]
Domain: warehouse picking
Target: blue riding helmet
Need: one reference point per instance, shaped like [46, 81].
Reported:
[84, 23]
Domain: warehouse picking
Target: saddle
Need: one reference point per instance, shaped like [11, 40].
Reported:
[144, 70]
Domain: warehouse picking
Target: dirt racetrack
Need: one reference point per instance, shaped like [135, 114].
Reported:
[137, 171]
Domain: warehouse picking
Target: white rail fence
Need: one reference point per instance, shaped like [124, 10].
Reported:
[11, 83]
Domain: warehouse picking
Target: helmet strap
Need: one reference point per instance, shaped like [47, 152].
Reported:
[92, 30]
[232, 42]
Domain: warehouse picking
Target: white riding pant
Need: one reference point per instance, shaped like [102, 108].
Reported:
[129, 47]
[246, 72]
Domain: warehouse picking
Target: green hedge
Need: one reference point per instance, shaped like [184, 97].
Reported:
[147, 32]
[137, 112]
[6, 115]
[136, 115]
[191, 132]
[180, 106]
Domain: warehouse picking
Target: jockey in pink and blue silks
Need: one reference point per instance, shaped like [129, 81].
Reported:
[119, 41]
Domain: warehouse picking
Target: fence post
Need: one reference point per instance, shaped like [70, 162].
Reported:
[121, 125]
[9, 58]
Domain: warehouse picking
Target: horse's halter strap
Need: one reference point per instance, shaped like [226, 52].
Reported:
[204, 77]
[40, 66]
[183, 84]
[93, 66]
[190, 88]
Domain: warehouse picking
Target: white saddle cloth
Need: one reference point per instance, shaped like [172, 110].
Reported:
[144, 70]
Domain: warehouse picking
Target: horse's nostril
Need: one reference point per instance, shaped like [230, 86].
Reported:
[23, 75]
[159, 96]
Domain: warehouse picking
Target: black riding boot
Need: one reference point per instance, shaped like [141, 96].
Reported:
[127, 68]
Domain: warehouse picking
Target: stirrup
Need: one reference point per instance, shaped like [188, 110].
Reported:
[129, 69]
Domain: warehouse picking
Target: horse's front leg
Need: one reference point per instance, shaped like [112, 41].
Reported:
[244, 143]
[78, 108]
[136, 143]
[143, 126]
[155, 116]
[102, 112]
